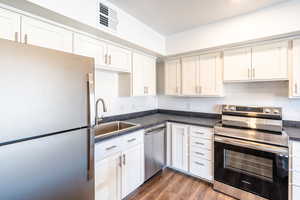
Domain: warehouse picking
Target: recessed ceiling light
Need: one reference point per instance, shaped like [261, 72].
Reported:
[236, 1]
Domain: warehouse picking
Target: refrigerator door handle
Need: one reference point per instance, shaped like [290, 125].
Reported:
[91, 134]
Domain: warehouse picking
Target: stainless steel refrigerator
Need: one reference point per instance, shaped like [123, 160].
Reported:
[46, 106]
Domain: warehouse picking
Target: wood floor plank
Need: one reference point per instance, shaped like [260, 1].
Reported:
[172, 185]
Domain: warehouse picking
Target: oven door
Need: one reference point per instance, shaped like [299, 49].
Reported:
[257, 168]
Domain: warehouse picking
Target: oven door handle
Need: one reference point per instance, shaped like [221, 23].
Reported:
[253, 145]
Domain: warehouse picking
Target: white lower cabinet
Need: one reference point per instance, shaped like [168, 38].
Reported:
[107, 175]
[192, 150]
[180, 146]
[119, 166]
[132, 169]
[294, 168]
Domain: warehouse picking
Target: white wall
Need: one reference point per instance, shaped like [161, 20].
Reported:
[130, 29]
[275, 20]
[259, 94]
[107, 88]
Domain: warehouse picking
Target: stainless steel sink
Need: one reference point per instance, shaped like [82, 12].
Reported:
[112, 128]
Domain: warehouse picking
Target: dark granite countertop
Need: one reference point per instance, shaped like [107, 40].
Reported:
[293, 132]
[159, 118]
[152, 118]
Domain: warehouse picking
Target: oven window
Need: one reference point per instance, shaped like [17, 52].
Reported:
[249, 164]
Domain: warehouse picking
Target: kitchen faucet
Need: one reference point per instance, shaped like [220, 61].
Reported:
[99, 119]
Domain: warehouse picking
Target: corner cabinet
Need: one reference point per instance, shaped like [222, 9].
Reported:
[179, 147]
[172, 77]
[9, 25]
[42, 34]
[294, 84]
[119, 166]
[143, 75]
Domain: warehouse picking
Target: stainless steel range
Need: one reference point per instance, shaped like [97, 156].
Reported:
[251, 153]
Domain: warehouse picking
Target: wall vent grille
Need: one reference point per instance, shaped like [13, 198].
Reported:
[108, 17]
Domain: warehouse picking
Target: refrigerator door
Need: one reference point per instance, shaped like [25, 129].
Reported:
[47, 168]
[41, 91]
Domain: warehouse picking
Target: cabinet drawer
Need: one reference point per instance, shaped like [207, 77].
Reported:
[201, 168]
[201, 143]
[201, 132]
[133, 139]
[295, 193]
[201, 153]
[106, 148]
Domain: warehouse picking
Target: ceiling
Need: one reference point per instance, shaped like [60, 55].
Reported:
[172, 16]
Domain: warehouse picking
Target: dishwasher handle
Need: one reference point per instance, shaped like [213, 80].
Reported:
[156, 129]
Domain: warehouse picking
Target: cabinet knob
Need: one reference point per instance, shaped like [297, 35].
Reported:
[17, 36]
[26, 39]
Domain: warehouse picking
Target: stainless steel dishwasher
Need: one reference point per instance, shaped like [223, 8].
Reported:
[154, 150]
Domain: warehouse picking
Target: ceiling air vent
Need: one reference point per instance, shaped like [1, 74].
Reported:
[108, 17]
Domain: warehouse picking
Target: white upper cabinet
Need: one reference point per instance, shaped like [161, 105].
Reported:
[90, 47]
[180, 146]
[143, 75]
[190, 69]
[295, 70]
[9, 25]
[210, 75]
[237, 64]
[172, 77]
[42, 34]
[270, 62]
[119, 58]
[106, 56]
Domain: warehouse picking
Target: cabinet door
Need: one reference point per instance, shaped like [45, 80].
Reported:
[108, 178]
[150, 76]
[210, 75]
[189, 76]
[237, 64]
[90, 47]
[138, 75]
[180, 146]
[119, 58]
[143, 75]
[172, 77]
[42, 34]
[295, 70]
[269, 62]
[132, 169]
[9, 25]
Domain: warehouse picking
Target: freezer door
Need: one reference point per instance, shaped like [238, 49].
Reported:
[41, 91]
[48, 168]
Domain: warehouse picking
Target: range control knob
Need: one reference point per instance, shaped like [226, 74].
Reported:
[276, 111]
[226, 108]
[267, 110]
[232, 108]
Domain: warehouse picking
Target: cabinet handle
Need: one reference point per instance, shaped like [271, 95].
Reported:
[109, 59]
[296, 88]
[26, 39]
[248, 73]
[110, 148]
[131, 140]
[120, 161]
[199, 133]
[198, 163]
[124, 159]
[17, 36]
[253, 72]
[105, 59]
[145, 90]
[199, 143]
[202, 154]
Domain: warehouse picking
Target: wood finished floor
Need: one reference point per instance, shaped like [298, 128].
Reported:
[171, 185]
